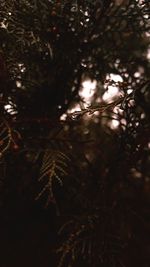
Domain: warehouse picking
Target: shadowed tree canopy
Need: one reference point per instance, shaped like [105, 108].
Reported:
[74, 133]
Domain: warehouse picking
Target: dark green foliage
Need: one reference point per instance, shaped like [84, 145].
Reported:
[95, 175]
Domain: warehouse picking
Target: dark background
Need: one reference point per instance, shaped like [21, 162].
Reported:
[95, 178]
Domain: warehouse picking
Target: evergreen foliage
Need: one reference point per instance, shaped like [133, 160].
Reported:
[90, 161]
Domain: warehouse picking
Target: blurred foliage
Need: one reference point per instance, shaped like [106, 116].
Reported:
[96, 174]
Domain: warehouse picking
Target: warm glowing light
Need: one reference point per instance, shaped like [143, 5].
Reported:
[112, 90]
[115, 77]
[87, 91]
[114, 124]
[63, 117]
[148, 54]
[18, 84]
[137, 74]
[21, 67]
[3, 25]
[74, 109]
[129, 91]
[110, 93]
[9, 108]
